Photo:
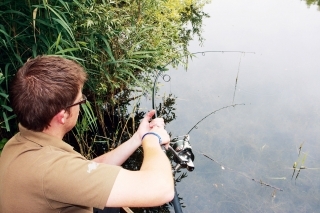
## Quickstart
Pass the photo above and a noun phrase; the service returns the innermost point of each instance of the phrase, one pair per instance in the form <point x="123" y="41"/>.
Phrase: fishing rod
<point x="203" y="54"/>
<point x="181" y="148"/>
<point x="196" y="125"/>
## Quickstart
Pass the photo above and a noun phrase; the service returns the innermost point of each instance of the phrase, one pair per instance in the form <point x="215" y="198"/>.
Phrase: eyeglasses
<point x="83" y="100"/>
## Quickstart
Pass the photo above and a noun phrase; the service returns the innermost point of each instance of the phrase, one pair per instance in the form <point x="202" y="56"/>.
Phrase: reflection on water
<point x="275" y="124"/>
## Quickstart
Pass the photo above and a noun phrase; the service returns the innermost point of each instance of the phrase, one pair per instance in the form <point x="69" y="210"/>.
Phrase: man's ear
<point x="61" y="116"/>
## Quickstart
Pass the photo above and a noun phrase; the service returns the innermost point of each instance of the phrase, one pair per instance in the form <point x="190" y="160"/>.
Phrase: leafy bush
<point x="121" y="44"/>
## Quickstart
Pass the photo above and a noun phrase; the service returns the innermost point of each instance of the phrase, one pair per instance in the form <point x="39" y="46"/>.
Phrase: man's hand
<point x="165" y="138"/>
<point x="156" y="125"/>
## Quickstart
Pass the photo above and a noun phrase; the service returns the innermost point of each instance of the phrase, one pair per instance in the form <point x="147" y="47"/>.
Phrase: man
<point x="41" y="173"/>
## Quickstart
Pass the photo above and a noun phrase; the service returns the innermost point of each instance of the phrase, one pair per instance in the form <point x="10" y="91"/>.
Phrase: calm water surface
<point x="279" y="86"/>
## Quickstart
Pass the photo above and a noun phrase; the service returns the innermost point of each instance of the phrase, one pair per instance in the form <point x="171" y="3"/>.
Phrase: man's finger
<point x="149" y="115"/>
<point x="156" y="124"/>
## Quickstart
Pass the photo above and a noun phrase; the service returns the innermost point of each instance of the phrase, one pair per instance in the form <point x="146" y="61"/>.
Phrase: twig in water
<point x="243" y="174"/>
<point x="300" y="147"/>
<point x="301" y="167"/>
<point x="266" y="184"/>
<point x="294" y="169"/>
<point x="235" y="86"/>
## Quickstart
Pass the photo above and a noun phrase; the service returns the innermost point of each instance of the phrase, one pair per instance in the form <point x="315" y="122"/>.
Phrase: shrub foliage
<point x="121" y="44"/>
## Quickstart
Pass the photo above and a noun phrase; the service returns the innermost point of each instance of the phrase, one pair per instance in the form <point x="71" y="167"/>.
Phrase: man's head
<point x="44" y="86"/>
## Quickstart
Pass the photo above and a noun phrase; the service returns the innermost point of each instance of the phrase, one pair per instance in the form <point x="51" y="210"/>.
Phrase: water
<point x="279" y="86"/>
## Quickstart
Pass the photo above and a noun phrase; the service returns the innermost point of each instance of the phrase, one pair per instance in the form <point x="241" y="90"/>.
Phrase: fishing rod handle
<point x="176" y="203"/>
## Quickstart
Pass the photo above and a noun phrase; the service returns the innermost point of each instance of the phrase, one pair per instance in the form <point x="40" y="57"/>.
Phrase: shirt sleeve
<point x="70" y="179"/>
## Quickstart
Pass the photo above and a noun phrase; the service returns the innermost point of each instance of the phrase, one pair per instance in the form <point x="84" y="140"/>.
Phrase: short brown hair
<point x="44" y="86"/>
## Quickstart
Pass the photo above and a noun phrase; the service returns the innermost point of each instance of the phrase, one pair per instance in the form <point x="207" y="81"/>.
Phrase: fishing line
<point x="203" y="54"/>
<point x="221" y="51"/>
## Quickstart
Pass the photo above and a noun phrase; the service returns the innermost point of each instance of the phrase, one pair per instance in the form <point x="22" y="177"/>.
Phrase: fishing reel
<point x="182" y="153"/>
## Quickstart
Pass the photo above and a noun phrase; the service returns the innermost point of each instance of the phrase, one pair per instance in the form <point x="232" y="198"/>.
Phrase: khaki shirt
<point x="43" y="174"/>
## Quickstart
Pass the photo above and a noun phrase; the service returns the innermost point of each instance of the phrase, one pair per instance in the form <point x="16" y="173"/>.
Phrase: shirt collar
<point x="43" y="139"/>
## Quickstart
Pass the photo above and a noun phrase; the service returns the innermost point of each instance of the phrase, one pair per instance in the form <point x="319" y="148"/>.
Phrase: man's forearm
<point x="120" y="154"/>
<point x="155" y="160"/>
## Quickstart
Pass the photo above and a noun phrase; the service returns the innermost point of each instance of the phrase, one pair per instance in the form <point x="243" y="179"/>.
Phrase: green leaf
<point x="7" y="108"/>
<point x="6" y="121"/>
<point x="67" y="50"/>
<point x="3" y="141"/>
